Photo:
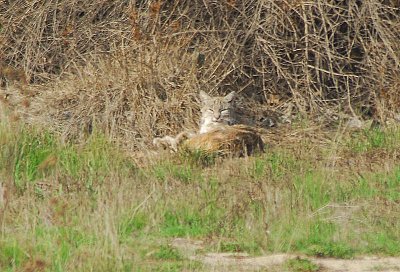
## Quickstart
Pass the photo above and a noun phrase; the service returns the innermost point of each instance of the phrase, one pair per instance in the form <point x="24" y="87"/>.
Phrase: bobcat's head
<point x="217" y="111"/>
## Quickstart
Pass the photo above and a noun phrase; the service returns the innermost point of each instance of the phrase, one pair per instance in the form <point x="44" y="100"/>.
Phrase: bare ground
<point x="276" y="262"/>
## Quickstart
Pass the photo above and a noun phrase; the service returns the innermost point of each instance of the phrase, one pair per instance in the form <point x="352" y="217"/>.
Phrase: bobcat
<point x="218" y="129"/>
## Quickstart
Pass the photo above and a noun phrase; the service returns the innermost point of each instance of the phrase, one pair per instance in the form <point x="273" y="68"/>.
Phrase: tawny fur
<point x="172" y="143"/>
<point x="218" y="132"/>
<point x="217" y="111"/>
<point x="236" y="140"/>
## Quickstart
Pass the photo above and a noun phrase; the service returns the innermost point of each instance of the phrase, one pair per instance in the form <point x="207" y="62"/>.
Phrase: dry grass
<point x="133" y="69"/>
<point x="89" y="207"/>
<point x="116" y="71"/>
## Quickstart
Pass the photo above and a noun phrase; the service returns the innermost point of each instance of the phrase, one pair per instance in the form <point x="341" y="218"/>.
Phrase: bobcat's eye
<point x="210" y="110"/>
<point x="224" y="111"/>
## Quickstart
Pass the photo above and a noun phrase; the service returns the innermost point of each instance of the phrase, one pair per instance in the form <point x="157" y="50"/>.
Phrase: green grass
<point x="197" y="157"/>
<point x="131" y="224"/>
<point x="100" y="211"/>
<point x="375" y="138"/>
<point x="32" y="155"/>
<point x="31" y="152"/>
<point x="301" y="265"/>
<point x="241" y="245"/>
<point x="385" y="242"/>
<point x="319" y="240"/>
<point x="11" y="254"/>
<point x="185" y="223"/>
<point x="167" y="253"/>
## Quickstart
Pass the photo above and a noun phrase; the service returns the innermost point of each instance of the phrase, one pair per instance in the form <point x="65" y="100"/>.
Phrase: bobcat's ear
<point x="204" y="96"/>
<point x="230" y="96"/>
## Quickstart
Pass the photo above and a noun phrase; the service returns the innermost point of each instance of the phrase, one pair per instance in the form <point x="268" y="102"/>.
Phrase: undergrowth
<point x="90" y="207"/>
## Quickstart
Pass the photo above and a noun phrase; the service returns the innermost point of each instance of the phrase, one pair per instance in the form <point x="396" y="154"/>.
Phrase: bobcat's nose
<point x="216" y="117"/>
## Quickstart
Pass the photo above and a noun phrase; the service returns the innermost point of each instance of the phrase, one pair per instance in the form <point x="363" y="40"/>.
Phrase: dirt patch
<point x="276" y="262"/>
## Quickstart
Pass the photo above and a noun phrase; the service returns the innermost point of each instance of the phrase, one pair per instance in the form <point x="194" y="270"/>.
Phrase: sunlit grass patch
<point x="131" y="224"/>
<point x="29" y="155"/>
<point x="185" y="223"/>
<point x="181" y="172"/>
<point x="301" y="265"/>
<point x="198" y="157"/>
<point x="375" y="138"/>
<point x="383" y="242"/>
<point x="373" y="185"/>
<point x="313" y="237"/>
<point x="55" y="246"/>
<point x="240" y="245"/>
<point x="313" y="190"/>
<point x="170" y="266"/>
<point x="12" y="255"/>
<point x="106" y="210"/>
<point x="166" y="252"/>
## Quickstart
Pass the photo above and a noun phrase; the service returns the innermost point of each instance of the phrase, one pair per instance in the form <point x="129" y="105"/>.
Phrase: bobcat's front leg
<point x="172" y="143"/>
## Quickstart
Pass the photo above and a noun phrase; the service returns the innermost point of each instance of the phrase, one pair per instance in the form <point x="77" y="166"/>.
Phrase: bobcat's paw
<point x="166" y="142"/>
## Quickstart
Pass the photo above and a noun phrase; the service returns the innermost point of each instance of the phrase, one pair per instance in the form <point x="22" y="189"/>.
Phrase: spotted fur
<point x="217" y="111"/>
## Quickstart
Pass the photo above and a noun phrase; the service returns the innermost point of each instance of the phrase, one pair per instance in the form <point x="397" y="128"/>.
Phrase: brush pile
<point x="133" y="68"/>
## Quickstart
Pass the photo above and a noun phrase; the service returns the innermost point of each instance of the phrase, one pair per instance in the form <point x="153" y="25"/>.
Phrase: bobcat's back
<point x="236" y="140"/>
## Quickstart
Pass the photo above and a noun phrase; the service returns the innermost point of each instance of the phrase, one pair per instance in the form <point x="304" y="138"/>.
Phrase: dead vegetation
<point x="133" y="69"/>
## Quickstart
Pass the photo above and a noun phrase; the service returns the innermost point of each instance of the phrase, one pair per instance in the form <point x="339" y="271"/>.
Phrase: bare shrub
<point x="316" y="55"/>
<point x="123" y="96"/>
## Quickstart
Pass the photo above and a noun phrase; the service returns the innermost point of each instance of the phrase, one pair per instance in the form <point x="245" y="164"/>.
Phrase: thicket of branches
<point x="318" y="54"/>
